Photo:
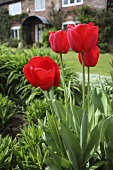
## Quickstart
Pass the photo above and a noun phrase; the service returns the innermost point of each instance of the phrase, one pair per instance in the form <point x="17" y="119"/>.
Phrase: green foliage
<point x="46" y="37"/>
<point x="71" y="147"/>
<point x="31" y="150"/>
<point x="86" y="14"/>
<point x="7" y="109"/>
<point x="56" y="16"/>
<point x="36" y="110"/>
<point x="6" y="153"/>
<point x="4" y="25"/>
<point x="13" y="43"/>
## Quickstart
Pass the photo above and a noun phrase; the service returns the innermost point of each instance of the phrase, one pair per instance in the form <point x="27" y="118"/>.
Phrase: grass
<point x="102" y="68"/>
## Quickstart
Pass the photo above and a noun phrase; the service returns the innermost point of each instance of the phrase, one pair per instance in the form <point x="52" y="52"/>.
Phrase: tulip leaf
<point x="53" y="125"/>
<point x="93" y="143"/>
<point x="104" y="126"/>
<point x="71" y="144"/>
<point x="98" y="164"/>
<point x="59" y="109"/>
<point x="74" y="117"/>
<point x="99" y="100"/>
<point x="61" y="161"/>
<point x="84" y="131"/>
<point x="52" y="164"/>
<point x="109" y="133"/>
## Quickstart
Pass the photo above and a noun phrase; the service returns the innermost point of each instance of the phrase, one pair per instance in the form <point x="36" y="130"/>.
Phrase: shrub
<point x="6" y="111"/>
<point x="7" y="160"/>
<point x="31" y="150"/>
<point x="46" y="37"/>
<point x="36" y="110"/>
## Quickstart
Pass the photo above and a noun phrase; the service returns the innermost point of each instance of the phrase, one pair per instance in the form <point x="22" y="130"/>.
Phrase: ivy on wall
<point x="5" y="23"/>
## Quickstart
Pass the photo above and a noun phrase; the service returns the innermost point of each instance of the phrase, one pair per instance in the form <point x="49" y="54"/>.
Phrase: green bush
<point x="7" y="160"/>
<point x="31" y="150"/>
<point x="13" y="43"/>
<point x="7" y="110"/>
<point x="36" y="110"/>
<point x="46" y="37"/>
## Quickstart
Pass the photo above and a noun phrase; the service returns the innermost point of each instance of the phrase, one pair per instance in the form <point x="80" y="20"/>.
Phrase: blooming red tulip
<point x="90" y="58"/>
<point x="83" y="37"/>
<point x="70" y="26"/>
<point x="58" y="41"/>
<point x="42" y="72"/>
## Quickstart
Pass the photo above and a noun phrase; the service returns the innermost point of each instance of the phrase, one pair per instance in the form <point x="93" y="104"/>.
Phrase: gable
<point x="7" y="1"/>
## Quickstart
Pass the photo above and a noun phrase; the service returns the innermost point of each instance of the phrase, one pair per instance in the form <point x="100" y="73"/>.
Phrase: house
<point x="38" y="15"/>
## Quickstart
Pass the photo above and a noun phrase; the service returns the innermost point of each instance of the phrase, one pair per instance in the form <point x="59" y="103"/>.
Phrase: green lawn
<point x="103" y="67"/>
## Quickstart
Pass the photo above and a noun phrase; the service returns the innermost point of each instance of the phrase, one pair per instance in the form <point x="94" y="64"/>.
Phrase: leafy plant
<point x="31" y="150"/>
<point x="7" y="146"/>
<point x="36" y="110"/>
<point x="74" y="140"/>
<point x="7" y="109"/>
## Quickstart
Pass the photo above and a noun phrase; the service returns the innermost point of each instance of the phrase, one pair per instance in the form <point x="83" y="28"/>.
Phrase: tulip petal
<point x="28" y="72"/>
<point x="74" y="40"/>
<point x="45" y="78"/>
<point x="90" y="39"/>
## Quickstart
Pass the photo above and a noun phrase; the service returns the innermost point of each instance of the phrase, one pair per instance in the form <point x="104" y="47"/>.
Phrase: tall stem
<point x="83" y="84"/>
<point x="88" y="87"/>
<point x="64" y="85"/>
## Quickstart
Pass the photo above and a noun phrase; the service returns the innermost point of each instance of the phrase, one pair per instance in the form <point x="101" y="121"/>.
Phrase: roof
<point x="7" y="1"/>
<point x="29" y="20"/>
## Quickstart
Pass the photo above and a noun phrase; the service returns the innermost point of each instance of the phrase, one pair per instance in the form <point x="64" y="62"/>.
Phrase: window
<point x="64" y="24"/>
<point x="15" y="8"/>
<point x="66" y="3"/>
<point x="39" y="5"/>
<point x="15" y="32"/>
<point x="38" y="32"/>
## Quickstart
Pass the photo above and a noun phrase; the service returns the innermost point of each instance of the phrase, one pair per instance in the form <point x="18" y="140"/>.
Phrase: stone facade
<point x="33" y="23"/>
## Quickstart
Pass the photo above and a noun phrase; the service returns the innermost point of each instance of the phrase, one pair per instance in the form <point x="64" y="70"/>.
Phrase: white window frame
<point x="71" y="4"/>
<point x="18" y="32"/>
<point x="38" y="7"/>
<point x="70" y="22"/>
<point x="15" y="8"/>
<point x="38" y="33"/>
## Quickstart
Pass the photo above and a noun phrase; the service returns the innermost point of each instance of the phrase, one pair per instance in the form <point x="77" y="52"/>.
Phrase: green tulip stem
<point x="46" y="94"/>
<point x="64" y="85"/>
<point x="88" y="87"/>
<point x="83" y="84"/>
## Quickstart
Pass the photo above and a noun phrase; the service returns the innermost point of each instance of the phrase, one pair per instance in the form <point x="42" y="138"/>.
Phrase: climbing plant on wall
<point x="4" y="25"/>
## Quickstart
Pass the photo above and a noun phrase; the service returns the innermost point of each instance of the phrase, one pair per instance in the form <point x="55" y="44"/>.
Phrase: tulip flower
<point x="82" y="37"/>
<point x="42" y="72"/>
<point x="58" y="42"/>
<point x="90" y="58"/>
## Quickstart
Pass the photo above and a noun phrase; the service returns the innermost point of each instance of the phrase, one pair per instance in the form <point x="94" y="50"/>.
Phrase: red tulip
<point x="58" y="41"/>
<point x="90" y="58"/>
<point x="70" y="26"/>
<point x="83" y="37"/>
<point x="42" y="72"/>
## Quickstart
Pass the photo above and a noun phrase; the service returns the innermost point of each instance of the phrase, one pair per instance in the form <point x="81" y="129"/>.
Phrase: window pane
<point x="71" y="1"/>
<point x="39" y="5"/>
<point x="15" y="8"/>
<point x="16" y="34"/>
<point x="65" y="1"/>
<point x="78" y="1"/>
